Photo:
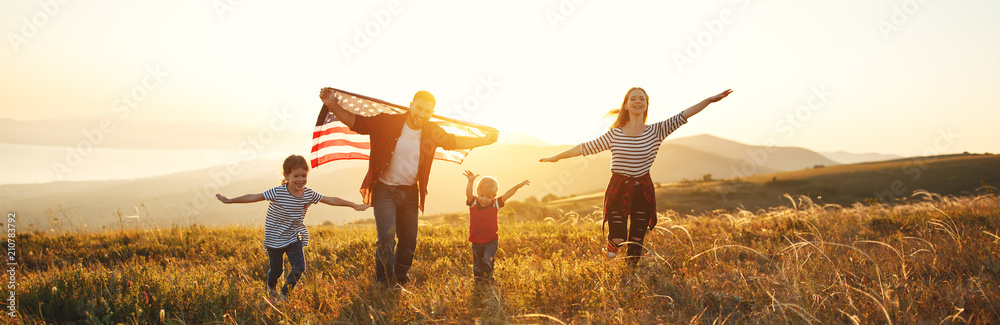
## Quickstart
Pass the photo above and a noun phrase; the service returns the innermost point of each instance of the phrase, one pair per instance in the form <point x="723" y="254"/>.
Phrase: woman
<point x="630" y="200"/>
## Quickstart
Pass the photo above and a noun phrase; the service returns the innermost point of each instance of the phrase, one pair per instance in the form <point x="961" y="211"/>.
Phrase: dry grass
<point x="929" y="262"/>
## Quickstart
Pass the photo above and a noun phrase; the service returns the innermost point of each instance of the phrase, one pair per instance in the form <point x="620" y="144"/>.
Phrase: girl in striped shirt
<point x="630" y="200"/>
<point x="284" y="232"/>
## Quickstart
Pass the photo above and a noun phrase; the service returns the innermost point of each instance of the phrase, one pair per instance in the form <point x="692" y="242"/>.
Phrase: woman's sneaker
<point x="611" y="249"/>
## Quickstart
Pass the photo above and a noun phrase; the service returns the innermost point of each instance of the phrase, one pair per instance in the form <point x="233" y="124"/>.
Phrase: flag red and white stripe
<point x="333" y="140"/>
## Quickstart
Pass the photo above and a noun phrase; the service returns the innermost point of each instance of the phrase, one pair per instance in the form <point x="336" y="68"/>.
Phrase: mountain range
<point x="188" y="197"/>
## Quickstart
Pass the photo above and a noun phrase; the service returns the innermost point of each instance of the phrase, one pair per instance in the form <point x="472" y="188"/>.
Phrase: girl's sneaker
<point x="272" y="293"/>
<point x="284" y="293"/>
<point x="611" y="249"/>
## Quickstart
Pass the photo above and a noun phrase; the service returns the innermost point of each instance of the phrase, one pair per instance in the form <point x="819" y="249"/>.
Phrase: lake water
<point x="23" y="164"/>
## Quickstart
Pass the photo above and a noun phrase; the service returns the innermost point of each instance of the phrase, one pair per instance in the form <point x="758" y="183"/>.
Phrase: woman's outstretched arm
<point x="572" y="152"/>
<point x="691" y="111"/>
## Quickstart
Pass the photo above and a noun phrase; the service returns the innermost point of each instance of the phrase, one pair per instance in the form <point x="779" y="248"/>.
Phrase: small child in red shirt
<point x="483" y="209"/>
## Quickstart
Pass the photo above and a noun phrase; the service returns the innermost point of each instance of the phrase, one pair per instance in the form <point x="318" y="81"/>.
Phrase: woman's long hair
<point x="622" y="112"/>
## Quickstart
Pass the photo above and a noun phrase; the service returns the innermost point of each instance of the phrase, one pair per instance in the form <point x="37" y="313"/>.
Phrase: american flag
<point x="333" y="140"/>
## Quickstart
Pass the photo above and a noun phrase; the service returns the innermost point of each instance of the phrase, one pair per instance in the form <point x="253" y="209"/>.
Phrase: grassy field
<point x="934" y="260"/>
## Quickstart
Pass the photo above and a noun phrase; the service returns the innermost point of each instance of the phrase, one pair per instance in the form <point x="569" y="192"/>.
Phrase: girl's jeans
<point x="295" y="257"/>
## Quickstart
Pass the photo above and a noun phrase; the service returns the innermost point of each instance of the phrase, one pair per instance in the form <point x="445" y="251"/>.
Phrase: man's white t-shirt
<point x="402" y="170"/>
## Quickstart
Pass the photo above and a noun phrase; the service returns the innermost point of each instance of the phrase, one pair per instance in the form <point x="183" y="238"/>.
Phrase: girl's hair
<point x="488" y="181"/>
<point x="291" y="163"/>
<point x="623" y="113"/>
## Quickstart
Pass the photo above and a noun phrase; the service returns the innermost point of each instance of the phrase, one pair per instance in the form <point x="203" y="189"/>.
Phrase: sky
<point x="896" y="77"/>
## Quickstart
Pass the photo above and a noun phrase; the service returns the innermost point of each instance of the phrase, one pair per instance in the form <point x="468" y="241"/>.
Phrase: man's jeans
<point x="396" y="214"/>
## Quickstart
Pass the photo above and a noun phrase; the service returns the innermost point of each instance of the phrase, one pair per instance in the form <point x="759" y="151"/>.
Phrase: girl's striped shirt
<point x="283" y="224"/>
<point x="633" y="155"/>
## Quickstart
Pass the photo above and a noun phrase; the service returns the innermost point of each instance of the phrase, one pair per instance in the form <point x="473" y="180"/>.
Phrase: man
<point x="402" y="150"/>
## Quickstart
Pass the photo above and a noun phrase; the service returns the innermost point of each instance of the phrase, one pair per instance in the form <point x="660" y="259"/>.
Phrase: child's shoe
<point x="611" y="249"/>
<point x="284" y="293"/>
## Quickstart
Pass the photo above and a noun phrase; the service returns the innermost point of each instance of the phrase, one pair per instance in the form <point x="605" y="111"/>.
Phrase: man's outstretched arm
<point x="470" y="142"/>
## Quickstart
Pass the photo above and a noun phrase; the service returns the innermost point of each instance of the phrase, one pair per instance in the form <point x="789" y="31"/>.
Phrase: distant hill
<point x="181" y="198"/>
<point x="774" y="158"/>
<point x="844" y="157"/>
<point x="881" y="182"/>
<point x="895" y="179"/>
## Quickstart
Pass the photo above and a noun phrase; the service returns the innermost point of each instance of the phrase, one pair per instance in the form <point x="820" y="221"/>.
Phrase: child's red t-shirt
<point x="483" y="221"/>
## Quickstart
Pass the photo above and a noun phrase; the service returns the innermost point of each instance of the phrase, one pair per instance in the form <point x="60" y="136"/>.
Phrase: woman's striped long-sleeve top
<point x="633" y="155"/>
